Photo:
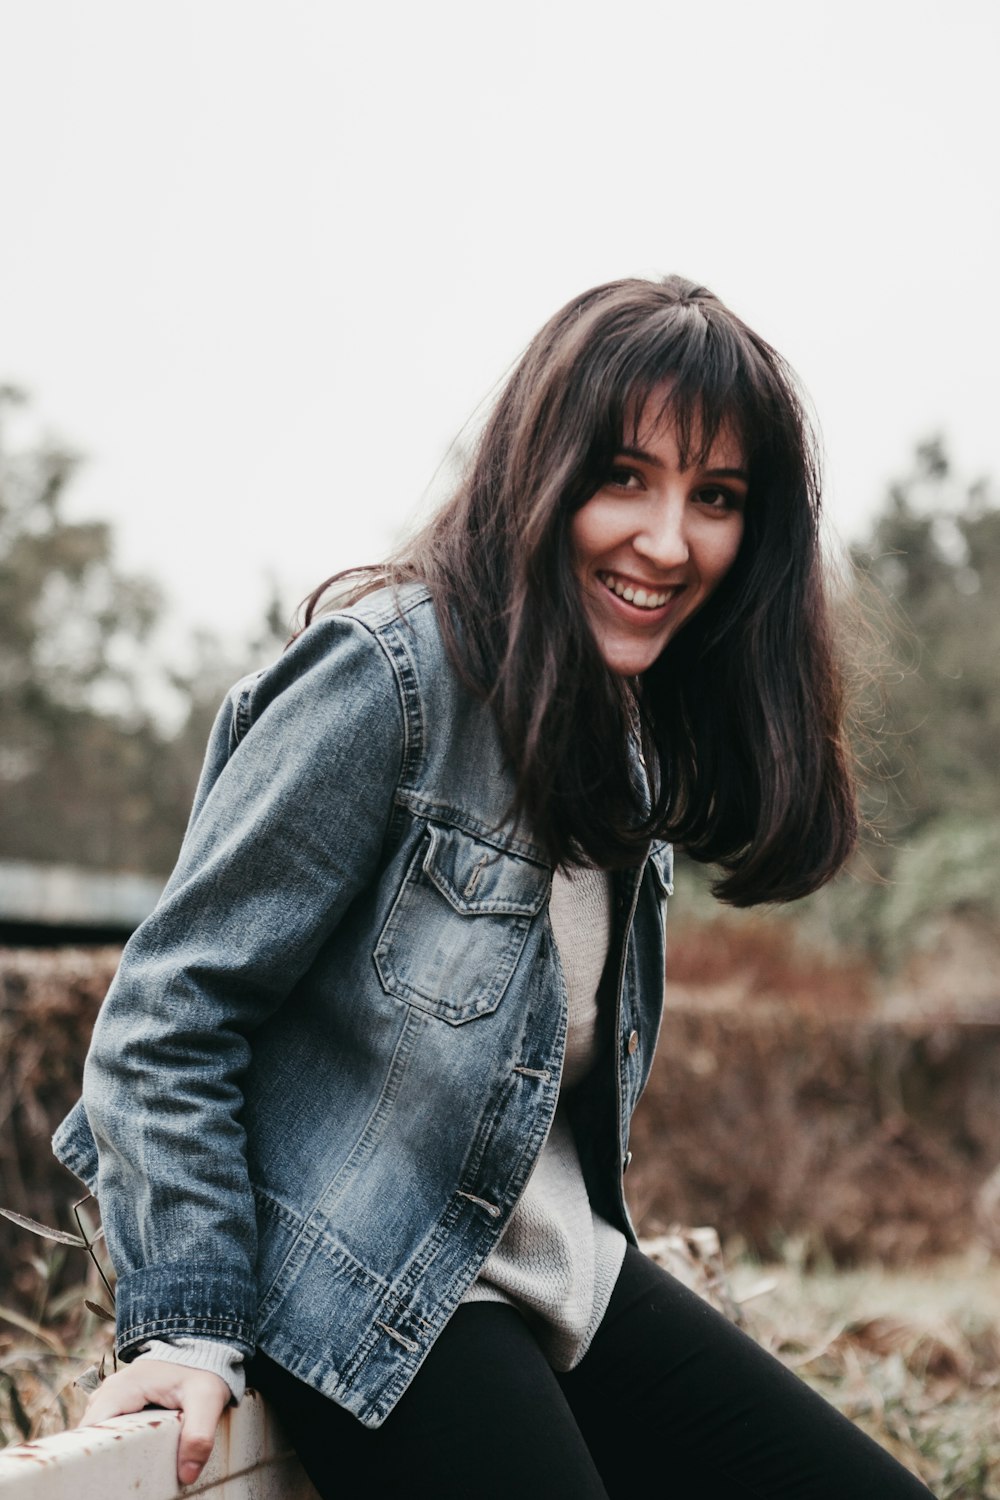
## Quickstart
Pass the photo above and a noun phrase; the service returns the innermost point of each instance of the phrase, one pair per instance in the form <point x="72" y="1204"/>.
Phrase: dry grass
<point x="913" y="1357"/>
<point x="43" y="1353"/>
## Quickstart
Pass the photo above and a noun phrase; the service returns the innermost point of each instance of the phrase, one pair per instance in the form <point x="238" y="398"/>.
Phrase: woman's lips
<point x="639" y="596"/>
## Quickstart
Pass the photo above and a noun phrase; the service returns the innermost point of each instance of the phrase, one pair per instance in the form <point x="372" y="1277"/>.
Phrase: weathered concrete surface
<point x="136" y="1456"/>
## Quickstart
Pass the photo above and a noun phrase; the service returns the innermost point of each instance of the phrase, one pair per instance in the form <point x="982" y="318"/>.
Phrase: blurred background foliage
<point x="921" y="624"/>
<point x="102" y="740"/>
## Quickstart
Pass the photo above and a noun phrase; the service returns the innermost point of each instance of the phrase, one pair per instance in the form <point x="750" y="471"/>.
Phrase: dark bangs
<point x="706" y="373"/>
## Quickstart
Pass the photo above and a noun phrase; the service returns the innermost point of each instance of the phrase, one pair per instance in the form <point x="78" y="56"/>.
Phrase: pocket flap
<point x="475" y="878"/>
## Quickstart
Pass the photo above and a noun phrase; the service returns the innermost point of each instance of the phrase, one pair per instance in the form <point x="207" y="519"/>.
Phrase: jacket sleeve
<point x="288" y="826"/>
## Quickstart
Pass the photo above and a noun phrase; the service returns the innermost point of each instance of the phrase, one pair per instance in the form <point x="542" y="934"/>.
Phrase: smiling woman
<point x="656" y="539"/>
<point x="357" y="1106"/>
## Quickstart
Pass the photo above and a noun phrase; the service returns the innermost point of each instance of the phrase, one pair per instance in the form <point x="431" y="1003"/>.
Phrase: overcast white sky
<point x="261" y="260"/>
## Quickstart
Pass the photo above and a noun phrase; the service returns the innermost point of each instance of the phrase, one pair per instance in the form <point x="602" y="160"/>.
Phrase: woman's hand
<point x="198" y="1395"/>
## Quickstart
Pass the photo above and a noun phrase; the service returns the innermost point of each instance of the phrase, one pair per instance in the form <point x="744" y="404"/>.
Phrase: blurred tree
<point x="934" y="557"/>
<point x="204" y="682"/>
<point x="88" y="774"/>
<point x="76" y="738"/>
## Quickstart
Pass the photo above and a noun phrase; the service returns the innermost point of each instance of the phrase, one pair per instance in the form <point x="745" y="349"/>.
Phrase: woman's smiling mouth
<point x="636" y="594"/>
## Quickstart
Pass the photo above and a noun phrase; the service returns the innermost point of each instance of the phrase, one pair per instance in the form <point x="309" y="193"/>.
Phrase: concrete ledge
<point x="137" y="1456"/>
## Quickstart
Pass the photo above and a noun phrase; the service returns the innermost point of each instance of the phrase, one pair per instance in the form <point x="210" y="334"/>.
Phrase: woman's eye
<point x="717" y="498"/>
<point x="624" y="479"/>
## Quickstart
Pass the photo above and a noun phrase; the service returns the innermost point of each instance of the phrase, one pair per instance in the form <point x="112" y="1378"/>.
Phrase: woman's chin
<point x="630" y="658"/>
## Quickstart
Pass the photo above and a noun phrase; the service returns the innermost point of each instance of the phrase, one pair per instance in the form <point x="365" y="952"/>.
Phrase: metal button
<point x="633" y="1043"/>
<point x="627" y="1162"/>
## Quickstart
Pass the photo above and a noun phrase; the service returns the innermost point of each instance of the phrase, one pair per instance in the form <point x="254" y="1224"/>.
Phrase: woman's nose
<point x="662" y="539"/>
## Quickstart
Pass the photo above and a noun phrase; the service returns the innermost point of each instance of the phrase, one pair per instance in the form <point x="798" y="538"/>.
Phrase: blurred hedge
<point x="862" y="1136"/>
<point x="48" y="1001"/>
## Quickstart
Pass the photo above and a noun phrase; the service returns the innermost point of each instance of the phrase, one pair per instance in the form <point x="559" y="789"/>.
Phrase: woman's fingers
<point x="122" y="1392"/>
<point x="198" y="1395"/>
<point x="198" y="1424"/>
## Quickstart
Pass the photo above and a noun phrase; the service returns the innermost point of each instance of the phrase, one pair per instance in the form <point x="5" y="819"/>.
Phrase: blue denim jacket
<point x="331" y="1055"/>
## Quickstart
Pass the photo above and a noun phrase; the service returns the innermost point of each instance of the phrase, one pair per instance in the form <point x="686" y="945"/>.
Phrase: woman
<point x="357" y="1104"/>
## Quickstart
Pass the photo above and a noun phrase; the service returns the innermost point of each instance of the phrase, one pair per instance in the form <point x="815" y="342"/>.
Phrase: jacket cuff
<point x="186" y="1299"/>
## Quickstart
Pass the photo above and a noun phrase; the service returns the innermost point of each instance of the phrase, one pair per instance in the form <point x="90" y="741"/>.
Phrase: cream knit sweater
<point x="558" y="1261"/>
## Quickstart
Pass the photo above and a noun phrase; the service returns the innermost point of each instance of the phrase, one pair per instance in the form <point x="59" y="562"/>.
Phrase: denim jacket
<point x="331" y="1055"/>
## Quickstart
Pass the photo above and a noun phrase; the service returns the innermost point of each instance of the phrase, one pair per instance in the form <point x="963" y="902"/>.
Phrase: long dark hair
<point x="740" y="720"/>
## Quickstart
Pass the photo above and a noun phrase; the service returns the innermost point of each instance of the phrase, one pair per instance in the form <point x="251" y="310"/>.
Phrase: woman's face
<point x="655" y="540"/>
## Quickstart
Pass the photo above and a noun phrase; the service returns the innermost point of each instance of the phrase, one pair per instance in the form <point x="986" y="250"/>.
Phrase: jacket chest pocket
<point x="458" y="925"/>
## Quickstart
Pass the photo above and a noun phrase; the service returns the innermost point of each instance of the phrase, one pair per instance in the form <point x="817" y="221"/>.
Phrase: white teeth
<point x="641" y="598"/>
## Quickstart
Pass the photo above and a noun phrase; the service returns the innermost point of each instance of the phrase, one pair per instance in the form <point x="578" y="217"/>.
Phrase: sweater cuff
<point x="224" y="1360"/>
<point x="186" y="1299"/>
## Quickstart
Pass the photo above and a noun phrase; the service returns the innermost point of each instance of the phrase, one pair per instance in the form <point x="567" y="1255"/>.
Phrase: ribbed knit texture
<point x="558" y="1261"/>
<point x="201" y="1354"/>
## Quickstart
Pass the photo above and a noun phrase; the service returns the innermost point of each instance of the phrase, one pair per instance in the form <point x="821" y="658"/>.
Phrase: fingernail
<point x="189" y="1472"/>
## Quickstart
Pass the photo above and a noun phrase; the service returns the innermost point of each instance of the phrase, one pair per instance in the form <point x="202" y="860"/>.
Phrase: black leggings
<point x="671" y="1400"/>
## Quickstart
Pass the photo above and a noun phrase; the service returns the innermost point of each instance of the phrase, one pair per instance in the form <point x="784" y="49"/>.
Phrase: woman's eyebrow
<point x="650" y="458"/>
<point x="728" y="474"/>
<point x="641" y="455"/>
